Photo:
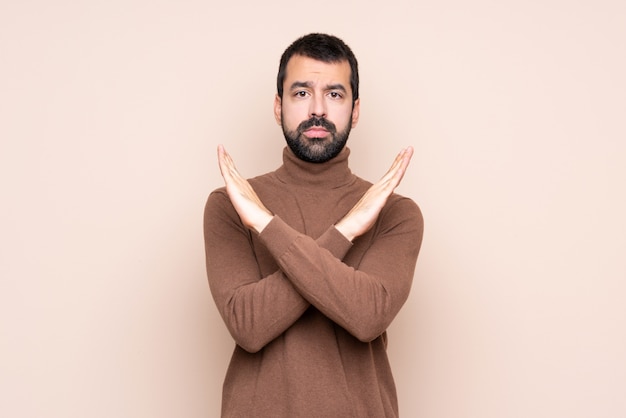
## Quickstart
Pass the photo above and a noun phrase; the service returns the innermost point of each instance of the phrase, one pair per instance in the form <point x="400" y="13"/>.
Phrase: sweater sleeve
<point x="255" y="309"/>
<point x="362" y="300"/>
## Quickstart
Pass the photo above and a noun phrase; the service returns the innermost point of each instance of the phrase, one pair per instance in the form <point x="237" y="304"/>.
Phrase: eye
<point x="301" y="93"/>
<point x="335" y="95"/>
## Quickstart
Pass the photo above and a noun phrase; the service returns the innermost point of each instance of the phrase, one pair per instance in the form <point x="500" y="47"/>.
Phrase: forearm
<point x="258" y="312"/>
<point x="255" y="309"/>
<point x="255" y="305"/>
<point x="363" y="300"/>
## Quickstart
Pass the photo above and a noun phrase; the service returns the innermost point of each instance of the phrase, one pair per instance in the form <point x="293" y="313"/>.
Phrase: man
<point x="309" y="264"/>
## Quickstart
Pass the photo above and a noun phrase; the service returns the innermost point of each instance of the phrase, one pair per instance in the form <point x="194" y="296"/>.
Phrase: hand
<point x="363" y="215"/>
<point x="251" y="210"/>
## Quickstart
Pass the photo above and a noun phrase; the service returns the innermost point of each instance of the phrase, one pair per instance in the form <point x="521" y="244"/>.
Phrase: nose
<point x="317" y="106"/>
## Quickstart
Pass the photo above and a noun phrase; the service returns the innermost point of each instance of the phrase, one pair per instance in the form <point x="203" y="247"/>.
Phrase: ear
<point x="278" y="109"/>
<point x="356" y="111"/>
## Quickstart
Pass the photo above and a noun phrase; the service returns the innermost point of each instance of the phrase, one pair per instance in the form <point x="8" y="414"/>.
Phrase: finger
<point x="227" y="169"/>
<point x="405" y="156"/>
<point x="221" y="159"/>
<point x="390" y="172"/>
<point x="227" y="165"/>
<point x="395" y="166"/>
<point x="406" y="160"/>
<point x="395" y="174"/>
<point x="400" y="158"/>
<point x="397" y="160"/>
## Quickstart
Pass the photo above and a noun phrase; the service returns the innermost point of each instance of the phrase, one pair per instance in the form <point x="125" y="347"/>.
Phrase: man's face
<point x="316" y="111"/>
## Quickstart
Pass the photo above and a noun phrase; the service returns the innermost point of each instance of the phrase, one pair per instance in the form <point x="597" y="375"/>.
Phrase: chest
<point x="310" y="212"/>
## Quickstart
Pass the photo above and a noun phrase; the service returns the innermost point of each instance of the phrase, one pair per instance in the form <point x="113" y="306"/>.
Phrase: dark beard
<point x="317" y="150"/>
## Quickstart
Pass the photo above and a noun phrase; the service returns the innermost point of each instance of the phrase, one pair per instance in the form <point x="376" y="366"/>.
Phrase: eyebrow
<point x="308" y="84"/>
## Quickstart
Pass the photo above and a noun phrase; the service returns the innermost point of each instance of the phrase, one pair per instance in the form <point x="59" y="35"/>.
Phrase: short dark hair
<point x="321" y="47"/>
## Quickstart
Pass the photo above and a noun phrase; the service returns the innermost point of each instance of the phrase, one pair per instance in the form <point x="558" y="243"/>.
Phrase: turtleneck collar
<point x="331" y="174"/>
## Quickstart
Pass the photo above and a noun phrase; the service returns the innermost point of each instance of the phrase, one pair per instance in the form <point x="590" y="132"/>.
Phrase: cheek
<point x="342" y="117"/>
<point x="292" y="116"/>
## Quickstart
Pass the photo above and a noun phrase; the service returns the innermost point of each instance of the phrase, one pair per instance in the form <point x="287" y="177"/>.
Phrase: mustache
<point x="315" y="121"/>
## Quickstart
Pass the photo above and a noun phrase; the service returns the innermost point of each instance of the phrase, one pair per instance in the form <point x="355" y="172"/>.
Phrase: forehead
<point x="305" y="69"/>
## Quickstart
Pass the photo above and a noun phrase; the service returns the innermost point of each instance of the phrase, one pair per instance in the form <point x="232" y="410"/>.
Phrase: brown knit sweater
<point x="307" y="308"/>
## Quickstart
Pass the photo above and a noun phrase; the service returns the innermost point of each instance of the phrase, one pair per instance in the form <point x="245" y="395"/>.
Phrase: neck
<point x="331" y="174"/>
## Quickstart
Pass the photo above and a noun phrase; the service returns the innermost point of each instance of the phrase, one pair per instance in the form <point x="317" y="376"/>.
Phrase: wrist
<point x="344" y="230"/>
<point x="262" y="222"/>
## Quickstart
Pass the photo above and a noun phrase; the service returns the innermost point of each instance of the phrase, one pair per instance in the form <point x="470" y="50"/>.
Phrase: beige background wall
<point x="110" y="113"/>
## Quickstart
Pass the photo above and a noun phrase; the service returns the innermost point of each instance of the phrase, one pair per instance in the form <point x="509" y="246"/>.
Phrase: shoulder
<point x="403" y="210"/>
<point x="267" y="181"/>
<point x="220" y="194"/>
<point x="399" y="202"/>
<point x="397" y="208"/>
<point x="218" y="201"/>
<point x="218" y="207"/>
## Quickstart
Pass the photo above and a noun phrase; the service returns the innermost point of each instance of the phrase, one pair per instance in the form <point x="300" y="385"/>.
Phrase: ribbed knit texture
<point x="307" y="308"/>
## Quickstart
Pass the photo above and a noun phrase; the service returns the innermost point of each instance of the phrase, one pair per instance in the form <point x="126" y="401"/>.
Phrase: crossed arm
<point x="359" y="220"/>
<point x="310" y="271"/>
